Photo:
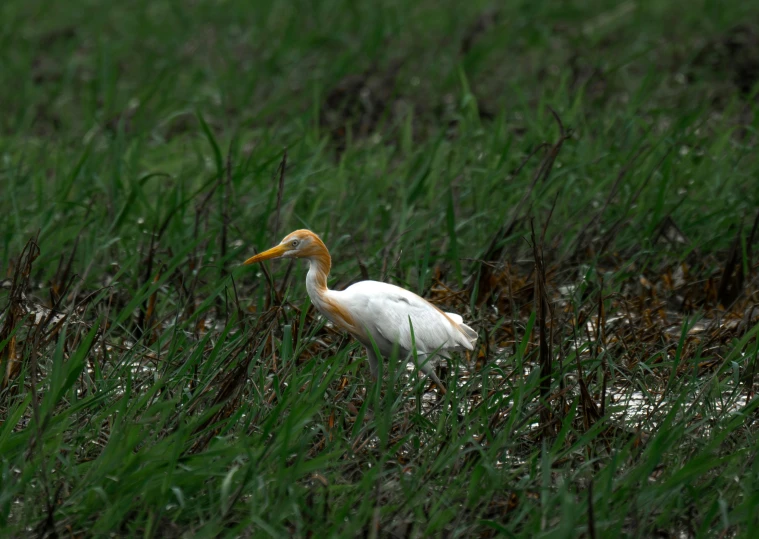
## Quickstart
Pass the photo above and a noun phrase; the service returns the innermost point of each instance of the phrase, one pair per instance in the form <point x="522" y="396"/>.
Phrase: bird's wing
<point x="385" y="310"/>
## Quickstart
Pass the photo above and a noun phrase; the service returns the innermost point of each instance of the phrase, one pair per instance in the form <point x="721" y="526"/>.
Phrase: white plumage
<point x="371" y="310"/>
<point x="389" y="312"/>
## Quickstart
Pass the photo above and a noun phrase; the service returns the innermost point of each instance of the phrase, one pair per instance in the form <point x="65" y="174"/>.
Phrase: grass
<point x="152" y="386"/>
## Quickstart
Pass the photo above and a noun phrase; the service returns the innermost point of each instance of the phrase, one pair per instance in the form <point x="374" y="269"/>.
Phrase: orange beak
<point x="274" y="252"/>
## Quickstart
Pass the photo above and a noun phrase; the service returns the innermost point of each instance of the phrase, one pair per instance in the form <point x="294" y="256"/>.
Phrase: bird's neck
<point x="319" y="265"/>
<point x="327" y="301"/>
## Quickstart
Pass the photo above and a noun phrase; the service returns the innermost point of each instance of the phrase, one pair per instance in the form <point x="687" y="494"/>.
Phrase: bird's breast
<point x="339" y="315"/>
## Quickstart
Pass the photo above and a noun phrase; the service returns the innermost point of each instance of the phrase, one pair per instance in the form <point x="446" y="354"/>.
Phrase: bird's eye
<point x="294" y="243"/>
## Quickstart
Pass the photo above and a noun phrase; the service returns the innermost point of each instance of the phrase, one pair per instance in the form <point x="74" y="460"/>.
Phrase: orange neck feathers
<point x="320" y="263"/>
<point x="324" y="299"/>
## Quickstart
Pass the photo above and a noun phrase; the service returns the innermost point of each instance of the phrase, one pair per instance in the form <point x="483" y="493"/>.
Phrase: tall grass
<point x="152" y="386"/>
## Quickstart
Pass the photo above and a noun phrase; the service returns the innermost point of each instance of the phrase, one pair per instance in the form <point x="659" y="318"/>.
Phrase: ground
<point x="577" y="179"/>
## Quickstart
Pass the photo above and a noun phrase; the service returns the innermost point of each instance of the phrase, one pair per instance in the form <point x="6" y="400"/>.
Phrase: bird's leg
<point x="426" y="366"/>
<point x="373" y="364"/>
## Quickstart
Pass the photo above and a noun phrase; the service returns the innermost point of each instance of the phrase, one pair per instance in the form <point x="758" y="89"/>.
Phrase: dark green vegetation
<point x="171" y="391"/>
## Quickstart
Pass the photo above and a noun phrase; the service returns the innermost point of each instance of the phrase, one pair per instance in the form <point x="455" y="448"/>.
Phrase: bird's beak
<point x="274" y="252"/>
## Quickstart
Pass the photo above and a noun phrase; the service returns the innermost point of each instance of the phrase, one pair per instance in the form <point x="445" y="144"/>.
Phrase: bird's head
<point x="298" y="244"/>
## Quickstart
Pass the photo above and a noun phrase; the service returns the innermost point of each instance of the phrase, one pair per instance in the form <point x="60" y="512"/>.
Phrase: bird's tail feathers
<point x="469" y="333"/>
<point x="455" y="317"/>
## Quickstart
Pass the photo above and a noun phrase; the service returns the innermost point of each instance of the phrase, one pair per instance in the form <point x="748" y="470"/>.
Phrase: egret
<point x="371" y="310"/>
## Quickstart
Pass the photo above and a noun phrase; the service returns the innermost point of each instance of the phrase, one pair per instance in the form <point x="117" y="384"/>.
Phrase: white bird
<point x="374" y="310"/>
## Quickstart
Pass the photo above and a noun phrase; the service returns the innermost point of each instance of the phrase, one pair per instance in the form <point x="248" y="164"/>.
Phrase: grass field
<point x="579" y="179"/>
